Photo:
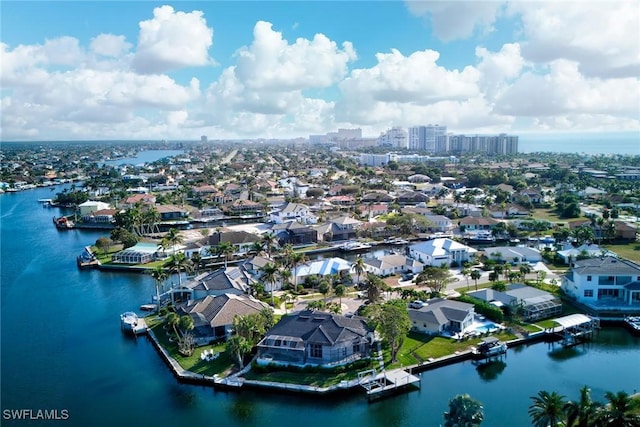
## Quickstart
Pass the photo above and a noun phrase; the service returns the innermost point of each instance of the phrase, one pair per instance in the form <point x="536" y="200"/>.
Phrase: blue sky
<point x="279" y="69"/>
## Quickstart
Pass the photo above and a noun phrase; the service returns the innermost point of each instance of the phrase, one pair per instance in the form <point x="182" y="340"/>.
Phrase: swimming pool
<point x="487" y="327"/>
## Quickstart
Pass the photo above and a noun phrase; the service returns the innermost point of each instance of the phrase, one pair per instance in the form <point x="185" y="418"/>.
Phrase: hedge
<point x="482" y="307"/>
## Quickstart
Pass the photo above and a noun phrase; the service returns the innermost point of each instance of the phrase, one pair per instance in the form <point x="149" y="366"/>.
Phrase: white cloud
<point x="395" y="80"/>
<point x="274" y="64"/>
<point x="455" y="19"/>
<point x="603" y="36"/>
<point x="564" y="91"/>
<point x="264" y="90"/>
<point x="110" y="45"/>
<point x="496" y="69"/>
<point x="172" y="40"/>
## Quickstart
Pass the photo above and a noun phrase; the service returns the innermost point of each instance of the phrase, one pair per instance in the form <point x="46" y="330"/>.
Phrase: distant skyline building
<point x="395" y="137"/>
<point x="203" y="138"/>
<point x="424" y="137"/>
<point x="490" y="144"/>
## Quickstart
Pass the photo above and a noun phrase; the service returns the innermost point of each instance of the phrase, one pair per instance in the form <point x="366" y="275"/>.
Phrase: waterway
<point x="146" y="156"/>
<point x="61" y="348"/>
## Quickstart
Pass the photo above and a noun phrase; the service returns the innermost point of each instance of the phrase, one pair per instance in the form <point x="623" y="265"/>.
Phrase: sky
<point x="84" y="70"/>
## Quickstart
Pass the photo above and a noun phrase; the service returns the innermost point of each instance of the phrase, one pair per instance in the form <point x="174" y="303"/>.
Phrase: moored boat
<point x="490" y="346"/>
<point x="633" y="324"/>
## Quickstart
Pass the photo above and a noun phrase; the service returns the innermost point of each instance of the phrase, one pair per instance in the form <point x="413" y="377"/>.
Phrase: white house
<point x="569" y="253"/>
<point x="442" y="315"/>
<point x="604" y="282"/>
<point x="441" y="251"/>
<point x="513" y="254"/>
<point x="391" y="264"/>
<point x="323" y="267"/>
<point x="92" y="206"/>
<point x="293" y="212"/>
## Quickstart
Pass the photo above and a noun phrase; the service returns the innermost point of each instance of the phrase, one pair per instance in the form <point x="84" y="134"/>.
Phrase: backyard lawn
<point x="193" y="363"/>
<point x="629" y="251"/>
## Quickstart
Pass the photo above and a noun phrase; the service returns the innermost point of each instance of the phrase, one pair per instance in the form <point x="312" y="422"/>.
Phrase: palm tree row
<point x="551" y="409"/>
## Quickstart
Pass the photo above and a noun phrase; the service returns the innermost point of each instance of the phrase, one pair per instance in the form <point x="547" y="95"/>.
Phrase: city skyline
<point x="248" y="70"/>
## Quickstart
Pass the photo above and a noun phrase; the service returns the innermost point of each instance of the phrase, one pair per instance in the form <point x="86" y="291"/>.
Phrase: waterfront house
<point x="438" y="316"/>
<point x="473" y="223"/>
<point x="535" y="304"/>
<point x="337" y="229"/>
<point x="441" y="251"/>
<point x="242" y="241"/>
<point x="293" y="212"/>
<point x="229" y="280"/>
<point x="213" y="315"/>
<point x="316" y="338"/>
<point x="92" y="206"/>
<point x="513" y="254"/>
<point x="570" y="253"/>
<point x="604" y="283"/>
<point x="102" y="216"/>
<point x="295" y="233"/>
<point x="391" y="264"/>
<point x="171" y="212"/>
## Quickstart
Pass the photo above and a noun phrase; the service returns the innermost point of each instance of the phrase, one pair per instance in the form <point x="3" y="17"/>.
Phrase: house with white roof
<point x="92" y="206"/>
<point x="605" y="283"/>
<point x="441" y="251"/>
<point x="514" y="254"/>
<point x="392" y="264"/>
<point x="322" y="267"/>
<point x="570" y="253"/>
<point x="293" y="212"/>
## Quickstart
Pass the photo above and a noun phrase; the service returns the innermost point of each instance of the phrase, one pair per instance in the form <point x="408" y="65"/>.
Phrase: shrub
<point x="484" y="308"/>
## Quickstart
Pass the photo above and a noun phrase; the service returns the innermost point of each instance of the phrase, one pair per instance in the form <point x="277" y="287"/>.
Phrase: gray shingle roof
<point x="606" y="265"/>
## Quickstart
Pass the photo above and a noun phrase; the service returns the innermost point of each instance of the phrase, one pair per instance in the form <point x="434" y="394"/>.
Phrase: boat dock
<point x="574" y="328"/>
<point x="132" y="324"/>
<point x="378" y="385"/>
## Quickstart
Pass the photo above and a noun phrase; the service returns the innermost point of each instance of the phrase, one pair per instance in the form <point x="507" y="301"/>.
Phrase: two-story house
<point x="604" y="283"/>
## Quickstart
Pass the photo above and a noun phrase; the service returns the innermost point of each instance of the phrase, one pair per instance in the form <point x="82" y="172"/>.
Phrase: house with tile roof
<point x="213" y="315"/>
<point x="316" y="338"/>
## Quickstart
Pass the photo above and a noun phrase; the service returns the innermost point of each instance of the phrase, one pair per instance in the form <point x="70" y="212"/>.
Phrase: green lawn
<point x="547" y="214"/>
<point x="191" y="363"/>
<point x="310" y="378"/>
<point x="629" y="251"/>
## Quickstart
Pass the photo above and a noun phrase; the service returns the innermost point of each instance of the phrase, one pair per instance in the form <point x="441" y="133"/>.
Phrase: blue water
<point x="486" y="327"/>
<point x="585" y="143"/>
<point x="147" y="156"/>
<point x="62" y="348"/>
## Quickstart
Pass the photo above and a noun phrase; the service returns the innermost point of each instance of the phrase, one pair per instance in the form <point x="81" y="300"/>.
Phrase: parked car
<point x="416" y="304"/>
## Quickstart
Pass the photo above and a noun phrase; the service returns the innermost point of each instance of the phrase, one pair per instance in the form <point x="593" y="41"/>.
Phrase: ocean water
<point x="627" y="143"/>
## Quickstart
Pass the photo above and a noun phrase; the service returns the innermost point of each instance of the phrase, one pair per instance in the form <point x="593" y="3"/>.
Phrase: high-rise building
<point x="395" y="137"/>
<point x="489" y="144"/>
<point x="425" y="137"/>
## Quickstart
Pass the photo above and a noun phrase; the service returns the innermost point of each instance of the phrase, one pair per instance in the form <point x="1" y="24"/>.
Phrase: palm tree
<point x="159" y="276"/>
<point x="325" y="288"/>
<point x="176" y="264"/>
<point x="226" y="249"/>
<point x="358" y="267"/>
<point x="524" y="270"/>
<point x="196" y="258"/>
<point x="297" y="258"/>
<point x="466" y="273"/>
<point x="339" y="291"/>
<point x="268" y="242"/>
<point x="269" y="275"/>
<point x="547" y="409"/>
<point x="374" y="286"/>
<point x="173" y="319"/>
<point x="172" y="239"/>
<point x="618" y="411"/>
<point x="583" y="412"/>
<point x="475" y="275"/>
<point x="464" y="411"/>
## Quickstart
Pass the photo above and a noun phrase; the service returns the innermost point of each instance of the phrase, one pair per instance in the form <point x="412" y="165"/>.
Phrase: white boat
<point x="490" y="346"/>
<point x="633" y="324"/>
<point x="131" y="323"/>
<point x="354" y="246"/>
